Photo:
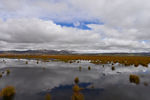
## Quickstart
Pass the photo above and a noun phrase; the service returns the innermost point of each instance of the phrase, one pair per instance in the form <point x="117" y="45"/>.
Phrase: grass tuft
<point x="76" y="80"/>
<point x="8" y="71"/>
<point x="1" y="75"/>
<point x="112" y="68"/>
<point x="8" y="93"/>
<point x="26" y="62"/>
<point x="89" y="68"/>
<point x="134" y="79"/>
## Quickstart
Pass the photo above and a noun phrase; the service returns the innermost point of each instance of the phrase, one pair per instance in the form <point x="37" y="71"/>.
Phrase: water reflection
<point x="77" y="95"/>
<point x="48" y="96"/>
<point x="33" y="81"/>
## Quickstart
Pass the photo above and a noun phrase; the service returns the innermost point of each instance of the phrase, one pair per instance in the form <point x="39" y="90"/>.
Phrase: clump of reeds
<point x="134" y="79"/>
<point x="103" y="65"/>
<point x="37" y="62"/>
<point x="112" y="68"/>
<point x="8" y="93"/>
<point x="76" y="80"/>
<point x="70" y="61"/>
<point x="89" y="67"/>
<point x="26" y="62"/>
<point x="136" y="64"/>
<point x="7" y="71"/>
<point x="47" y="96"/>
<point x="78" y="61"/>
<point x="1" y="75"/>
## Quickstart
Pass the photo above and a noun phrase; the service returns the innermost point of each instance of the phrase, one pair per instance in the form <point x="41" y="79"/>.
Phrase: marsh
<point x="33" y="81"/>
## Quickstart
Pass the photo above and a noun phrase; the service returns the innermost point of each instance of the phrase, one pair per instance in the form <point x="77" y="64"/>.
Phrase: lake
<point x="34" y="80"/>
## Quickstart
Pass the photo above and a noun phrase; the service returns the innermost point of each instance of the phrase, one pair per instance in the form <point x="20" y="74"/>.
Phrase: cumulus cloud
<point x="39" y="32"/>
<point x="30" y="24"/>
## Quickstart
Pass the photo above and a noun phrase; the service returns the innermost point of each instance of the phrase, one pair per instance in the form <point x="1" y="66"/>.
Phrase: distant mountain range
<point x="71" y="52"/>
<point x="37" y="52"/>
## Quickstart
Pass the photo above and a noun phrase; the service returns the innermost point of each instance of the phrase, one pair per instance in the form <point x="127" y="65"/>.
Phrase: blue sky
<point x="80" y="25"/>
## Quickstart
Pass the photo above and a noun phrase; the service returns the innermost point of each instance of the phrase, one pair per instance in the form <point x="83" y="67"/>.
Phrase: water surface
<point x="33" y="81"/>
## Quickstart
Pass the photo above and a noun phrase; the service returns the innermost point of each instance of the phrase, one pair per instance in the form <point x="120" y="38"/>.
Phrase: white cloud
<point x="39" y="32"/>
<point x="125" y="28"/>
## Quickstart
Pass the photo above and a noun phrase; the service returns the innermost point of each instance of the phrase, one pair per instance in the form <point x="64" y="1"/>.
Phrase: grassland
<point x="96" y="59"/>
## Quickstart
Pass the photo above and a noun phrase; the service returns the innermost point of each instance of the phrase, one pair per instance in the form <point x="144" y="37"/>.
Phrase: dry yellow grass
<point x="76" y="80"/>
<point x="112" y="68"/>
<point x="134" y="79"/>
<point x="1" y="75"/>
<point x="7" y="93"/>
<point x="96" y="59"/>
<point x="89" y="67"/>
<point x="8" y="71"/>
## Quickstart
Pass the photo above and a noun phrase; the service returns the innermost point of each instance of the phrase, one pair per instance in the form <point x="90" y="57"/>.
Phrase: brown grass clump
<point x="37" y="62"/>
<point x="89" y="68"/>
<point x="134" y="79"/>
<point x="26" y="62"/>
<point x="8" y="71"/>
<point x="47" y="96"/>
<point x="78" y="61"/>
<point x="1" y="75"/>
<point x="8" y="93"/>
<point x="76" y="80"/>
<point x="112" y="68"/>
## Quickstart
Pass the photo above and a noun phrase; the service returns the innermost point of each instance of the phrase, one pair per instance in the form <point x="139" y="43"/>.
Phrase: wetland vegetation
<point x="74" y="77"/>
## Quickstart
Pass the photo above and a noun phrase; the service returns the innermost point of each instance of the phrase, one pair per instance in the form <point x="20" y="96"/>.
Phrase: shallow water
<point x="33" y="81"/>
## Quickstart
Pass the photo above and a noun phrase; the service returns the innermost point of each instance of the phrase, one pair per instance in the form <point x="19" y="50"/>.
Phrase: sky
<point x="77" y="25"/>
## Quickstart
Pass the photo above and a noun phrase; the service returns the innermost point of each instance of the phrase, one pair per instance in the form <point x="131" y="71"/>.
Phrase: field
<point x="74" y="77"/>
